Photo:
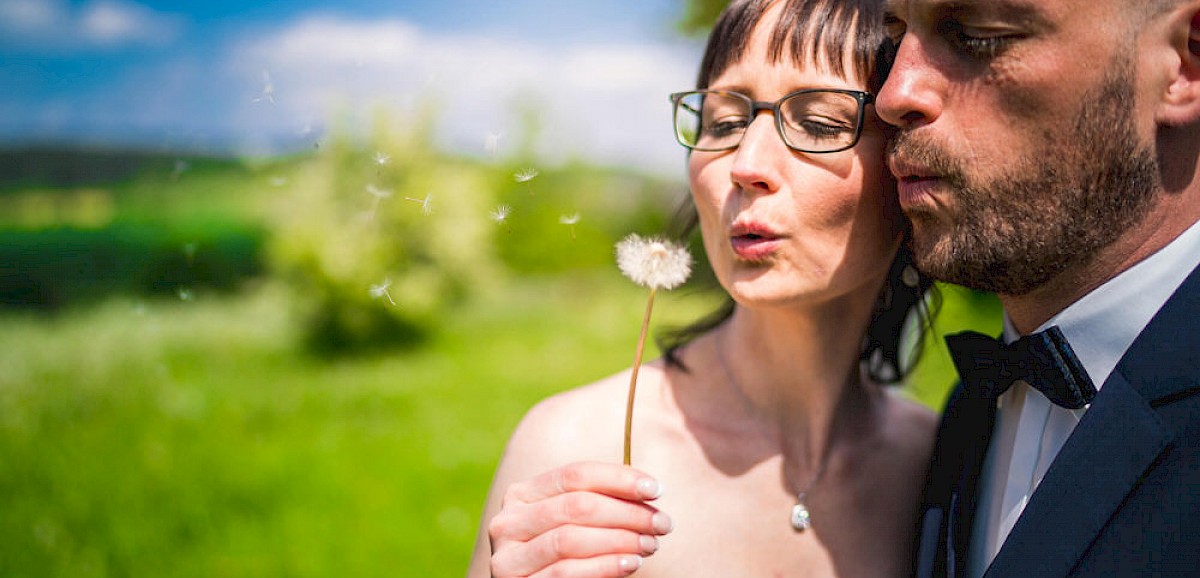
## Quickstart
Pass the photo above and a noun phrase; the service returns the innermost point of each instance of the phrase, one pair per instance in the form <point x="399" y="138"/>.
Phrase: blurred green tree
<point x="380" y="240"/>
<point x="699" y="15"/>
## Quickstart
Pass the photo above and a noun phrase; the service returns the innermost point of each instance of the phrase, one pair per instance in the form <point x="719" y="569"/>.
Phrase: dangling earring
<point x="910" y="277"/>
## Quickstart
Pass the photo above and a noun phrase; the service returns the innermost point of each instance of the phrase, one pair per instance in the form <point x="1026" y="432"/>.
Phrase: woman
<point x="779" y="454"/>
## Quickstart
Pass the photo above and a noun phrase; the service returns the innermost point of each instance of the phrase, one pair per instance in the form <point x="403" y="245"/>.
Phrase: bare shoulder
<point x="580" y="424"/>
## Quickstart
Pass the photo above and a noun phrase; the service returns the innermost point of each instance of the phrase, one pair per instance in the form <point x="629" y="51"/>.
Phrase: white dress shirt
<point x="1030" y="429"/>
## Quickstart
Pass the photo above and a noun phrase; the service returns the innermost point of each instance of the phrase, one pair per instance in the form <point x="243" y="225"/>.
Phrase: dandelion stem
<point x="637" y="362"/>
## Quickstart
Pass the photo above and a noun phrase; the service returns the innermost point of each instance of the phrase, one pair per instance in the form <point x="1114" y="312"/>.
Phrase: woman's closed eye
<point x="725" y="127"/>
<point x="822" y="127"/>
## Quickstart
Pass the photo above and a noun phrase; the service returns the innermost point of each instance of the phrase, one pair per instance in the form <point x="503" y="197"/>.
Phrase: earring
<point x="910" y="277"/>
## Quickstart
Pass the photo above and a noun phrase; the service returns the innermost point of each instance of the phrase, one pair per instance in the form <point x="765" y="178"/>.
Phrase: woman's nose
<point x="757" y="157"/>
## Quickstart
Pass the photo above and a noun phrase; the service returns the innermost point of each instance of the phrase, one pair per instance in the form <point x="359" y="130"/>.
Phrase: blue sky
<point x="261" y="77"/>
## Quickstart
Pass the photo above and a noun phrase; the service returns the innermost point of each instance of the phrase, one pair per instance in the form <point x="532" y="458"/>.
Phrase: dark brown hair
<point x="811" y="32"/>
<point x="817" y="32"/>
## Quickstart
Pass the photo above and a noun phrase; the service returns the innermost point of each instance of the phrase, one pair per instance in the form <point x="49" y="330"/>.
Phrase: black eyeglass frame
<point x="863" y="99"/>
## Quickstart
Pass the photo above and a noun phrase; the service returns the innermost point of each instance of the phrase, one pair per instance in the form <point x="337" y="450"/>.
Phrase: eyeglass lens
<point x="815" y="121"/>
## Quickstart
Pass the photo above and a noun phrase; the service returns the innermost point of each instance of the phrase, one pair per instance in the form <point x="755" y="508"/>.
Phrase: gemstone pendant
<point x="801" y="519"/>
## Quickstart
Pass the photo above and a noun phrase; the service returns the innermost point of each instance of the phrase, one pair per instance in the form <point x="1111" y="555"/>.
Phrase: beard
<point x="1053" y="208"/>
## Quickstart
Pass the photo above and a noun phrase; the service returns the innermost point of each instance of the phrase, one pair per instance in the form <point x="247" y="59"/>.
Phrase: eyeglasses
<point x="820" y="120"/>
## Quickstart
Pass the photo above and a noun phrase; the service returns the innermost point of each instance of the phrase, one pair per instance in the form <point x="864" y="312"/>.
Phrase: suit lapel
<point x="1114" y="444"/>
<point x="1080" y="492"/>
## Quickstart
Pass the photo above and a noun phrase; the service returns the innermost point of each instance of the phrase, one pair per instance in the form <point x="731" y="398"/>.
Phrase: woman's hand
<point x="583" y="520"/>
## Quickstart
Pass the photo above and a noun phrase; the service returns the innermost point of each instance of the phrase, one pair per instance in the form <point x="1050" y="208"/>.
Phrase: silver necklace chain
<point x="801" y="517"/>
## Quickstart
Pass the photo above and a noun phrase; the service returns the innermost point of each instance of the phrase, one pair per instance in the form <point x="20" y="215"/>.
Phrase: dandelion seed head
<point x="501" y="213"/>
<point x="526" y="175"/>
<point x="569" y="219"/>
<point x="653" y="263"/>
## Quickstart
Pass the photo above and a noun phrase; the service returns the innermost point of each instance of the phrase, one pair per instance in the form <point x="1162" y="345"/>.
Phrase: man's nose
<point x="912" y="94"/>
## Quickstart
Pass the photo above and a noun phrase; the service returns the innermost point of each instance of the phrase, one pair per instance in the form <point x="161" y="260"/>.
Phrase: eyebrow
<point x="1030" y="10"/>
<point x="1027" y="12"/>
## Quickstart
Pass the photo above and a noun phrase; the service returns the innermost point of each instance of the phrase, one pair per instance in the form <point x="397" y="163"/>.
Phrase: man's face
<point x="1022" y="150"/>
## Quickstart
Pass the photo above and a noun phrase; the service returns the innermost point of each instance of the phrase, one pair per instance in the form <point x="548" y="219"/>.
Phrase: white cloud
<point x="605" y="102"/>
<point x="32" y="15"/>
<point x="108" y="22"/>
<point x="55" y="26"/>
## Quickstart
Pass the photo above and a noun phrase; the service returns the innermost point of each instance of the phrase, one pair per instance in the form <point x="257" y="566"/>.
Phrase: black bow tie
<point x="1044" y="360"/>
<point x="988" y="368"/>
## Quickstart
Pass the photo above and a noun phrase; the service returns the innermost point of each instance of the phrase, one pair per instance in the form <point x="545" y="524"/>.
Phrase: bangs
<point x="821" y="33"/>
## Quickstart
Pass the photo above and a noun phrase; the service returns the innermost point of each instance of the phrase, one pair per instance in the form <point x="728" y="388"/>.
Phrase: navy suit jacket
<point x="1123" y="496"/>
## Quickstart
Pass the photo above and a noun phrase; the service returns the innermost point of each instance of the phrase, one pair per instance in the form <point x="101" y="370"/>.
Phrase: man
<point x="1049" y="150"/>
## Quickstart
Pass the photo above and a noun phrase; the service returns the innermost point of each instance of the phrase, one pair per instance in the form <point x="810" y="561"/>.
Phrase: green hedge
<point x="62" y="266"/>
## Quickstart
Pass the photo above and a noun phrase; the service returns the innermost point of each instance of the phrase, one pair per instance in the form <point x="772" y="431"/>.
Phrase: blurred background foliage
<point x="699" y="16"/>
<point x="307" y="365"/>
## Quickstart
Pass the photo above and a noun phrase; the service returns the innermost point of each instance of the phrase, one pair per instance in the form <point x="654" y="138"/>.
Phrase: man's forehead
<point x="1043" y="12"/>
<point x="899" y="7"/>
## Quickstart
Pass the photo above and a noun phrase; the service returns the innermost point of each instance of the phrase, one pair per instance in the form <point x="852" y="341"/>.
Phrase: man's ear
<point x="1180" y="103"/>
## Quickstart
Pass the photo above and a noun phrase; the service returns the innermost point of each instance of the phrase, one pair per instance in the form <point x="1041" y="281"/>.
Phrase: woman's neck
<point x="797" y="374"/>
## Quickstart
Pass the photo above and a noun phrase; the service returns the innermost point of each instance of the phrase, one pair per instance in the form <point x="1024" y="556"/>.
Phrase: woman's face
<point x="782" y="227"/>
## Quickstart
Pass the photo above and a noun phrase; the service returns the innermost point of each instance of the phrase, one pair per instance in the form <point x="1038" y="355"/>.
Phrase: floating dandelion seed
<point x="491" y="143"/>
<point x="377" y="192"/>
<point x="525" y="175"/>
<point x="500" y="215"/>
<point x="277" y="181"/>
<point x="185" y="294"/>
<point x="426" y="204"/>
<point x="181" y="166"/>
<point x="381" y="291"/>
<point x="654" y="264"/>
<point x="570" y="220"/>
<point x="382" y="158"/>
<point x="268" y="88"/>
<point x="378" y="195"/>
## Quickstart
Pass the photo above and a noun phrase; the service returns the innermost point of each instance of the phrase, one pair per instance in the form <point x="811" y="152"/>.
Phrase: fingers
<point x="599" y="567"/>
<point x="575" y="551"/>
<point x="587" y="519"/>
<point x="609" y="479"/>
<point x="523" y="521"/>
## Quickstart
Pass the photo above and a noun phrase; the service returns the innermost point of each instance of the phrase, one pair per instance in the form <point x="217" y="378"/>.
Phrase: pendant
<point x="801" y="519"/>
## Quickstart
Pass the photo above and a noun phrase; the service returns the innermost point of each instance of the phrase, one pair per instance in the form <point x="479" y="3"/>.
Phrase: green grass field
<point x="195" y="439"/>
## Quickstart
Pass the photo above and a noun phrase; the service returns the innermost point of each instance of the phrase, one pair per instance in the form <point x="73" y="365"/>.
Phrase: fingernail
<point x="630" y="564"/>
<point x="649" y="544"/>
<point x="649" y="489"/>
<point x="662" y="523"/>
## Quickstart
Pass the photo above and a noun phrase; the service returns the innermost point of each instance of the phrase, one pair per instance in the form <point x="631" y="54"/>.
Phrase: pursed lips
<point x="915" y="183"/>
<point x="753" y="241"/>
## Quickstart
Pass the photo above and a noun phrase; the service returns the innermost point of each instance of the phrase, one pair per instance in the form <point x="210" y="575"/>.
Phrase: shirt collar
<point x="1103" y="324"/>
